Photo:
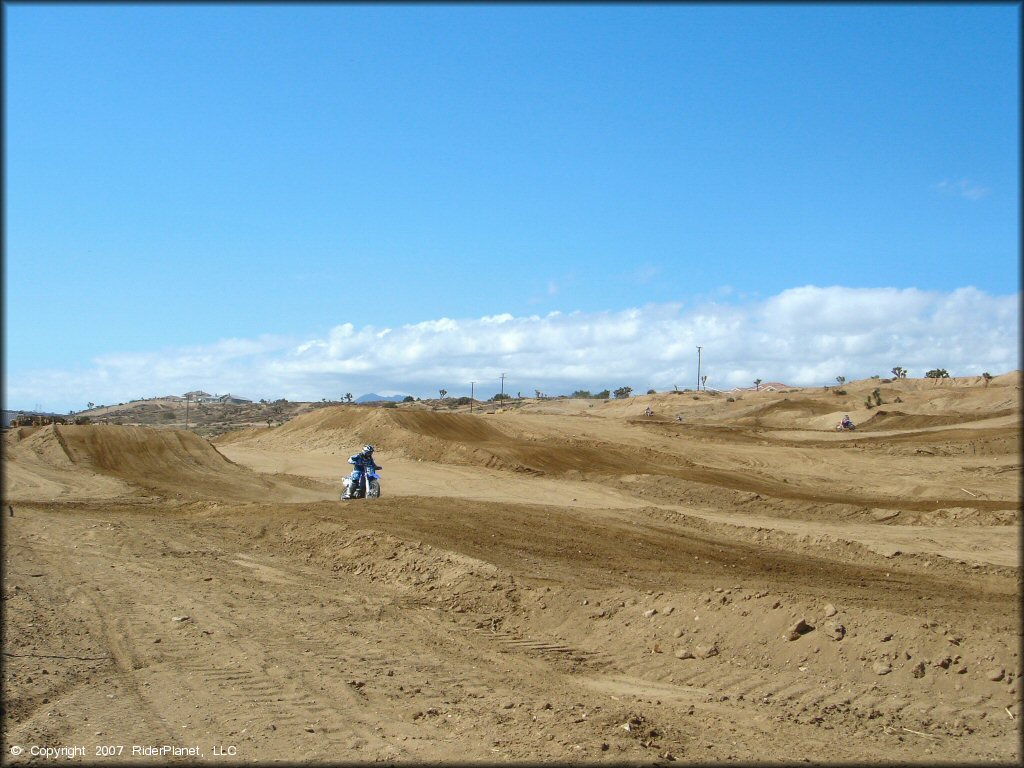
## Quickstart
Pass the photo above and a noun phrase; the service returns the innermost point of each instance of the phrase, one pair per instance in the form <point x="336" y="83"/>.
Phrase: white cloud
<point x="803" y="336"/>
<point x="963" y="188"/>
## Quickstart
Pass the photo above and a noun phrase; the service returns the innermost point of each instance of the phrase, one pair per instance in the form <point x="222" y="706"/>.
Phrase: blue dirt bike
<point x="368" y="487"/>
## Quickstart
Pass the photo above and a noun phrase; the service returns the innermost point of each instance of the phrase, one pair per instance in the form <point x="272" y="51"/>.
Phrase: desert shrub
<point x="408" y="399"/>
<point x="696" y="398"/>
<point x="389" y="405"/>
<point x="838" y="392"/>
<point x="167" y="415"/>
<point x="604" y="394"/>
<point x="582" y="393"/>
<point x="730" y="399"/>
<point x="651" y="392"/>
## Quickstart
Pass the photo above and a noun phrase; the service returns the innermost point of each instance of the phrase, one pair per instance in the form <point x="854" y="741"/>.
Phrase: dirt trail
<point x="573" y="585"/>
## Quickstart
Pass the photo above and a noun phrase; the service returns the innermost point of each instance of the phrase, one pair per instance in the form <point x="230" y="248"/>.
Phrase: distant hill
<point x="10" y="416"/>
<point x="373" y="398"/>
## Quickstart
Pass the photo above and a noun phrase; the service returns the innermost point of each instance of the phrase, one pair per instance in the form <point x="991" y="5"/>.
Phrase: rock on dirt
<point x="706" y="651"/>
<point x="801" y="627"/>
<point x="835" y="630"/>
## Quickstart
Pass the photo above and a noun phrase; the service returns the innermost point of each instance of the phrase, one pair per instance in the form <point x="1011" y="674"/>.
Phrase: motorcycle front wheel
<point x="373" y="489"/>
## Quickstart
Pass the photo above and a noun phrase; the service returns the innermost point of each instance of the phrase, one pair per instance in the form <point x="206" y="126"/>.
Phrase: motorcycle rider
<point x="361" y="462"/>
<point x="846" y="423"/>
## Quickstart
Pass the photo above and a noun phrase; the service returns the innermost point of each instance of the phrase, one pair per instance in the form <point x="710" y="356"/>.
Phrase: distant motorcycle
<point x="846" y="427"/>
<point x="369" y="487"/>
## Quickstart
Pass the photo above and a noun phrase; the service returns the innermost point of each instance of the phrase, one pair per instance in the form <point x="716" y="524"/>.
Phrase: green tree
<point x="501" y="396"/>
<point x="408" y="399"/>
<point x="604" y="394"/>
<point x="582" y="393"/>
<point x="937" y="373"/>
<point x="622" y="392"/>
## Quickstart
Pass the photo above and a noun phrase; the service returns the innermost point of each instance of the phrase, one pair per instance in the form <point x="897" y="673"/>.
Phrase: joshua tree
<point x="987" y="377"/>
<point x="899" y="372"/>
<point x="757" y="385"/>
<point x="841" y="380"/>
<point x="937" y="373"/>
<point x="348" y="397"/>
<point x="444" y="393"/>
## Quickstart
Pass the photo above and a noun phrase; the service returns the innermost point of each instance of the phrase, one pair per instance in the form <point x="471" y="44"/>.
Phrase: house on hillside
<point x="198" y="396"/>
<point x="232" y="400"/>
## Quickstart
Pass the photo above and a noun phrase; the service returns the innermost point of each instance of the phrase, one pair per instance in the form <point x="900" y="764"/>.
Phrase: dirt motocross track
<point x="568" y="581"/>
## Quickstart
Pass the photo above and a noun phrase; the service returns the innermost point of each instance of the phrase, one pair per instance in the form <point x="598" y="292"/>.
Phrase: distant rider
<point x="361" y="462"/>
<point x="847" y="424"/>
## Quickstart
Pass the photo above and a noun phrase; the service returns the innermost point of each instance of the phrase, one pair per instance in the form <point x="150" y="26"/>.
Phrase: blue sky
<point x="250" y="198"/>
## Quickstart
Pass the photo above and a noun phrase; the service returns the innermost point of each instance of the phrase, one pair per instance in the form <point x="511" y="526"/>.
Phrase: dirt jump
<point x="726" y="579"/>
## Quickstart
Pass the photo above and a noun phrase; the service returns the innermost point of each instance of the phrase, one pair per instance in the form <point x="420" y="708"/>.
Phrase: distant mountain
<point x="372" y="398"/>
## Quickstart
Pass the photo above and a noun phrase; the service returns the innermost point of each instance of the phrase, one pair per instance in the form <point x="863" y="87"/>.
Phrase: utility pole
<point x="471" y="395"/>
<point x="698" y="368"/>
<point x="187" y="399"/>
<point x="503" y="387"/>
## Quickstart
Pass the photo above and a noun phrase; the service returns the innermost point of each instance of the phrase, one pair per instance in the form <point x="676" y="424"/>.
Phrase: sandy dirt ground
<point x="568" y="581"/>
